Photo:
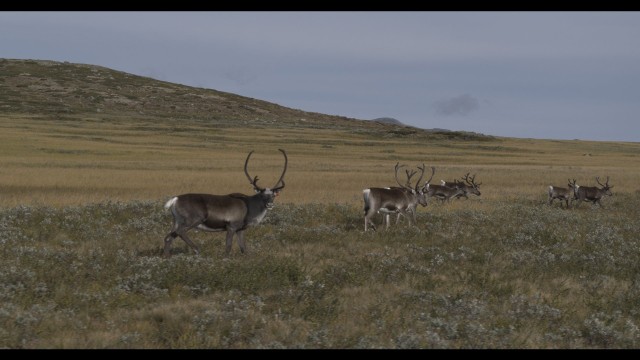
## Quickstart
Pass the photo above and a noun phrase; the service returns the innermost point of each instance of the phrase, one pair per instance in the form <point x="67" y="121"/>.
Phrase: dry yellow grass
<point x="54" y="162"/>
<point x="499" y="271"/>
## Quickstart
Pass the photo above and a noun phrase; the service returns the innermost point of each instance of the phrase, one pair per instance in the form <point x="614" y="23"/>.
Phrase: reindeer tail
<point x="171" y="202"/>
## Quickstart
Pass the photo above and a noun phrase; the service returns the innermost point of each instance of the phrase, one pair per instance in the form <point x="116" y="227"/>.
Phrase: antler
<point x="605" y="185"/>
<point x="421" y="176"/>
<point x="433" y="171"/>
<point x="254" y="181"/>
<point x="281" y="180"/>
<point x="409" y="176"/>
<point x="471" y="180"/>
<point x="398" y="166"/>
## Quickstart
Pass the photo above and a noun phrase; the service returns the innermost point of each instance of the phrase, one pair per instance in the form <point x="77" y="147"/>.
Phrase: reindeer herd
<point x="404" y="200"/>
<point x="575" y="192"/>
<point x="234" y="213"/>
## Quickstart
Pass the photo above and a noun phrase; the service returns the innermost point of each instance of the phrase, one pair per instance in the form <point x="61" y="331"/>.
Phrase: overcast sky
<point x="546" y="75"/>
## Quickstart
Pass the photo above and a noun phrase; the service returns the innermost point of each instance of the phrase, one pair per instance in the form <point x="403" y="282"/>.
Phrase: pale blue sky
<point x="547" y="75"/>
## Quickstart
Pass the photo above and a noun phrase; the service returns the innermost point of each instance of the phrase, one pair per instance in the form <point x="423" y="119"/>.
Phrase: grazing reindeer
<point x="232" y="213"/>
<point x="398" y="200"/>
<point x="469" y="186"/>
<point x="442" y="192"/>
<point x="592" y="193"/>
<point x="563" y="194"/>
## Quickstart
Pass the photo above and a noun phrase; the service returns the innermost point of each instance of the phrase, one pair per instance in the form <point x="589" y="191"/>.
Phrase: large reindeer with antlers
<point x="232" y="213"/>
<point x="394" y="200"/>
<point x="565" y="194"/>
<point x="592" y="193"/>
<point x="469" y="186"/>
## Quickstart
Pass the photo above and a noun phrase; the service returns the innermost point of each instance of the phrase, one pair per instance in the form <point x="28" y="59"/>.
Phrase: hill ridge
<point x="64" y="89"/>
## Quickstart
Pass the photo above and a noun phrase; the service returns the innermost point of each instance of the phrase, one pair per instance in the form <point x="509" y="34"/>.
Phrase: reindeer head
<point x="416" y="190"/>
<point x="268" y="194"/>
<point x="472" y="186"/>
<point x="605" y="187"/>
<point x="419" y="191"/>
<point x="424" y="190"/>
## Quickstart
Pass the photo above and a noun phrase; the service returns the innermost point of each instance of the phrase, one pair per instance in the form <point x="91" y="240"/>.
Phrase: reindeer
<point x="442" y="192"/>
<point x="592" y="193"/>
<point x="394" y="200"/>
<point x="232" y="213"/>
<point x="563" y="194"/>
<point x="469" y="186"/>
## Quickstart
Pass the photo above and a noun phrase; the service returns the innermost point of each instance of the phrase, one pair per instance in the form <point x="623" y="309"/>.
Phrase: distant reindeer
<point x="232" y="213"/>
<point x="394" y="200"/>
<point x="442" y="192"/>
<point x="565" y="194"/>
<point x="592" y="193"/>
<point x="469" y="186"/>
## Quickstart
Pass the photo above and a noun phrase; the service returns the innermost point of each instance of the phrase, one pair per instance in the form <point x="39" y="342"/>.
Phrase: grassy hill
<point x="66" y="90"/>
<point x="89" y="155"/>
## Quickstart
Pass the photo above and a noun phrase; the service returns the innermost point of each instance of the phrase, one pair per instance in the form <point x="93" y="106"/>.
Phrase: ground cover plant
<point x="82" y="225"/>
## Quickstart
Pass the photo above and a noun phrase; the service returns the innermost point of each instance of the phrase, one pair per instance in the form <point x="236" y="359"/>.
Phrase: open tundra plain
<point x="82" y="225"/>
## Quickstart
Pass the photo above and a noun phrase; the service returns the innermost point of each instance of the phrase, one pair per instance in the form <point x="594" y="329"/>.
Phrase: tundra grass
<point x="517" y="274"/>
<point x="77" y="161"/>
<point x="82" y="223"/>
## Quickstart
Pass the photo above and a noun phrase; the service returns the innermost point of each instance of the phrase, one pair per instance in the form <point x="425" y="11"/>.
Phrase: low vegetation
<point x="517" y="274"/>
<point x="82" y="225"/>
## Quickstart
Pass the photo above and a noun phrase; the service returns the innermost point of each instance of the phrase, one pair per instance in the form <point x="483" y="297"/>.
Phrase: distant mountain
<point x="439" y="130"/>
<point x="445" y="132"/>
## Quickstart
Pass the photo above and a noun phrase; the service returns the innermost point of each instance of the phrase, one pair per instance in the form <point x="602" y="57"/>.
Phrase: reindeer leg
<point x="180" y="230"/>
<point x="243" y="248"/>
<point x="169" y="239"/>
<point x="183" y="236"/>
<point x="167" y="244"/>
<point x="368" y="221"/>
<point x="365" y="220"/>
<point x="412" y="220"/>
<point x="229" y="240"/>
